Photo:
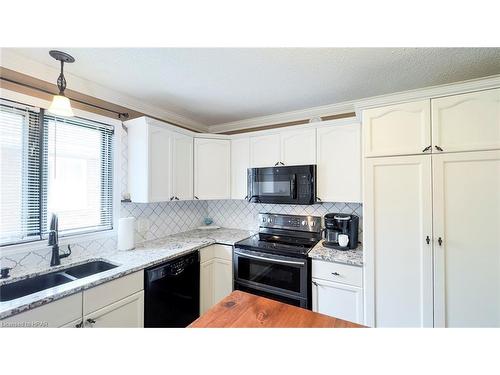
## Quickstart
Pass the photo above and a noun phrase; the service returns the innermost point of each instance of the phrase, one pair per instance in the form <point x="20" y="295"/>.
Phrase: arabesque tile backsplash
<point x="165" y="218"/>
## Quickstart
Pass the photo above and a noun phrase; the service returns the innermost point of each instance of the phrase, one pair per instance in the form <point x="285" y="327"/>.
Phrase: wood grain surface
<point x="245" y="310"/>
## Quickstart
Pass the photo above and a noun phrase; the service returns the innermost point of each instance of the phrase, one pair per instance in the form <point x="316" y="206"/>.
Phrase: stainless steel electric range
<point x="274" y="262"/>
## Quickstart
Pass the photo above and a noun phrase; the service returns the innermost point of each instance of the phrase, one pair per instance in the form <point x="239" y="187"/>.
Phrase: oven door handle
<point x="269" y="259"/>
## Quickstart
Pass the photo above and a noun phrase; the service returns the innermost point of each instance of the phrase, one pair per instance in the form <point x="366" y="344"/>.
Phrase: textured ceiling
<point x="217" y="85"/>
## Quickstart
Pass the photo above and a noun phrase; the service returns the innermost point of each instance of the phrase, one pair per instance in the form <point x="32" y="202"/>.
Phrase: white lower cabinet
<point x="216" y="275"/>
<point x="125" y="313"/>
<point x="337" y="290"/>
<point x="398" y="241"/>
<point x="466" y="219"/>
<point x="117" y="303"/>
<point x="338" y="300"/>
<point x="65" y="312"/>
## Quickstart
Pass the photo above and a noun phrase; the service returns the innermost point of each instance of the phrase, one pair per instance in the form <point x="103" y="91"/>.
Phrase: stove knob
<point x="304" y="223"/>
<point x="269" y="220"/>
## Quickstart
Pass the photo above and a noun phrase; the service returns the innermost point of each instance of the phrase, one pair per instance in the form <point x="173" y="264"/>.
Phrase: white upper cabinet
<point x="401" y="129"/>
<point x="466" y="239"/>
<point x="290" y="147"/>
<point x="265" y="150"/>
<point x="339" y="163"/>
<point x="212" y="168"/>
<point x="160" y="162"/>
<point x="467" y="122"/>
<point x="240" y="162"/>
<point x="397" y="234"/>
<point x="182" y="167"/>
<point x="149" y="162"/>
<point x="298" y="147"/>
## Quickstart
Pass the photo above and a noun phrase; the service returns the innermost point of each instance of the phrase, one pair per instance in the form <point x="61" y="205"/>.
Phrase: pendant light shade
<point x="61" y="106"/>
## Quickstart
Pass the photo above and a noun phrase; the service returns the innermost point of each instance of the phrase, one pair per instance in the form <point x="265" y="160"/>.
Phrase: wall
<point x="165" y="218"/>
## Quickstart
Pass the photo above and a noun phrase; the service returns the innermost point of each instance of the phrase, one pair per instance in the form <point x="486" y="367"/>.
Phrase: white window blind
<point x="79" y="174"/>
<point x="53" y="165"/>
<point x="19" y="173"/>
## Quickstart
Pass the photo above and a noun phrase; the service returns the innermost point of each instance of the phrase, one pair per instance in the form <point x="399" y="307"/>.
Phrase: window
<point x="53" y="165"/>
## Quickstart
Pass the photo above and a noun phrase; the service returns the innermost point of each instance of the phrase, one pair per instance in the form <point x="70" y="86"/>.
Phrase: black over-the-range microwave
<point x="283" y="184"/>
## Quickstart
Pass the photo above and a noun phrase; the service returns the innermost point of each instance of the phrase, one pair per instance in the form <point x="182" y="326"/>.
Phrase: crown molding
<point x="357" y="106"/>
<point x="308" y="113"/>
<point x="21" y="64"/>
<point x="461" y="87"/>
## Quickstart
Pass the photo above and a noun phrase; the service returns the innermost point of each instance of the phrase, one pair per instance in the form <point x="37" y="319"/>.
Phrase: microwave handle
<point x="294" y="186"/>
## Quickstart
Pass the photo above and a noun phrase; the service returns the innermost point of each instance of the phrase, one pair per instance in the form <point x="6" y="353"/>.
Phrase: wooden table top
<point x="245" y="310"/>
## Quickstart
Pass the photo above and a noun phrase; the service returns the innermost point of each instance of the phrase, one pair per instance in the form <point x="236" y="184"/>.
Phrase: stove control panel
<point x="290" y="222"/>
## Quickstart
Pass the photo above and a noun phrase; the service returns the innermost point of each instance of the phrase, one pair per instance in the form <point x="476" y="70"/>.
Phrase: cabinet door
<point x="339" y="163"/>
<point x="206" y="285"/>
<point x="338" y="300"/>
<point x="182" y="168"/>
<point x="125" y="313"/>
<point x="212" y="168"/>
<point x="240" y="162"/>
<point x="265" y="150"/>
<point x="298" y="147"/>
<point x="398" y="261"/>
<point x="223" y="279"/>
<point x="54" y="314"/>
<point x="160" y="164"/>
<point x="401" y="129"/>
<point x="467" y="122"/>
<point x="467" y="219"/>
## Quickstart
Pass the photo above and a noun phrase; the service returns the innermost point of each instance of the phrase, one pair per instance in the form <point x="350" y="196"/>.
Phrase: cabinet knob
<point x="195" y="197"/>
<point x="275" y="164"/>
<point x="282" y="163"/>
<point x="428" y="240"/>
<point x="335" y="274"/>
<point x="176" y="198"/>
<point x="79" y="325"/>
<point x="91" y="321"/>
<point x="440" y="241"/>
<point x="438" y="148"/>
<point x="427" y="149"/>
<point x="171" y="198"/>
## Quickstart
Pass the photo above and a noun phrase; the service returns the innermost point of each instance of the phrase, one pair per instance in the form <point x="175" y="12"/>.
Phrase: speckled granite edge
<point x="351" y="257"/>
<point x="145" y="255"/>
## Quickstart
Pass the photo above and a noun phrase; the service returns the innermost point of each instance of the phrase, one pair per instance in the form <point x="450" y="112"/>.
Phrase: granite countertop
<point x="353" y="257"/>
<point x="144" y="255"/>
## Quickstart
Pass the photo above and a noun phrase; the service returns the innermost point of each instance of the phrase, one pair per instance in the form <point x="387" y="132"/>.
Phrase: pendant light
<point x="61" y="105"/>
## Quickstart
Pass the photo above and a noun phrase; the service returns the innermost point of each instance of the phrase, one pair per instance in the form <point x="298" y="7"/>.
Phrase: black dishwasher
<point x="172" y="293"/>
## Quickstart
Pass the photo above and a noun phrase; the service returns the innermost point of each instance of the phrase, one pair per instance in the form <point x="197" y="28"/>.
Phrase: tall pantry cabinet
<point x="432" y="212"/>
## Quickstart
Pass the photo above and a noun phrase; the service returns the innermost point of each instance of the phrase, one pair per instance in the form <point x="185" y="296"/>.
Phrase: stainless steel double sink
<point x="35" y="284"/>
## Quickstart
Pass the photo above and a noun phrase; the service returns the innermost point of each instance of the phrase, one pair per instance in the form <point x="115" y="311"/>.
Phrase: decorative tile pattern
<point x="243" y="215"/>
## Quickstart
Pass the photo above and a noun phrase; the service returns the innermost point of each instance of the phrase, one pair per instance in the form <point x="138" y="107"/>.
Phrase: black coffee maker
<point x="341" y="231"/>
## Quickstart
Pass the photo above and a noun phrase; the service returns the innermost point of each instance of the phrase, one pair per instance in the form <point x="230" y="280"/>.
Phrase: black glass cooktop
<point x="278" y="244"/>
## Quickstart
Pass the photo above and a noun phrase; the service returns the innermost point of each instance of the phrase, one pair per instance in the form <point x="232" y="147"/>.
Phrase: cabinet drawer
<point x="340" y="273"/>
<point x="112" y="291"/>
<point x="53" y="314"/>
<point x="216" y="251"/>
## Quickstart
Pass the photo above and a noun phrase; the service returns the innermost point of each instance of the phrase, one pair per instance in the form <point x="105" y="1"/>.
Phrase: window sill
<point x="42" y="244"/>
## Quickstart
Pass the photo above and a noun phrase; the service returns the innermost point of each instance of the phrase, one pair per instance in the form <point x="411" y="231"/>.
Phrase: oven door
<point x="271" y="274"/>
